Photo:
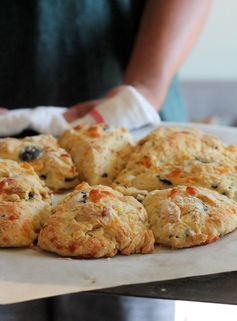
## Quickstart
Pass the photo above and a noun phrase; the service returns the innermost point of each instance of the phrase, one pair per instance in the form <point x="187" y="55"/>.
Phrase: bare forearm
<point x="168" y="30"/>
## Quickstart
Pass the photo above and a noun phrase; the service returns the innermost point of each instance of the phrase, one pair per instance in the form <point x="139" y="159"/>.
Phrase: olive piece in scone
<point x="31" y="195"/>
<point x="84" y="196"/>
<point x="30" y="153"/>
<point x="104" y="175"/>
<point x="70" y="179"/>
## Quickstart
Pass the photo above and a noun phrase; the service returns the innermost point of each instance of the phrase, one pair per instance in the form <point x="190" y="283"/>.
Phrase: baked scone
<point x="186" y="216"/>
<point x="97" y="222"/>
<point x="24" y="204"/>
<point x="51" y="162"/>
<point x="99" y="151"/>
<point x="171" y="156"/>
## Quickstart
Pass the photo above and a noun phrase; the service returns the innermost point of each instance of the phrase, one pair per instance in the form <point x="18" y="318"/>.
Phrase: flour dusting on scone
<point x="97" y="222"/>
<point x="171" y="156"/>
<point x="51" y="162"/>
<point x="186" y="216"/>
<point x="99" y="151"/>
<point x="24" y="204"/>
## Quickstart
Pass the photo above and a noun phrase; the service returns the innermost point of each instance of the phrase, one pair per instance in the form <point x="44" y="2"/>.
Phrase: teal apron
<point x="60" y="52"/>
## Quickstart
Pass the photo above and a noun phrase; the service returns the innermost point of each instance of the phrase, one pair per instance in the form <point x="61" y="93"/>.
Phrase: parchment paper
<point x="27" y="274"/>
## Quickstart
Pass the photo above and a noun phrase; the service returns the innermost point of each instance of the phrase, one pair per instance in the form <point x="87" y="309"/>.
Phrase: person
<point x="57" y="52"/>
<point x="77" y="53"/>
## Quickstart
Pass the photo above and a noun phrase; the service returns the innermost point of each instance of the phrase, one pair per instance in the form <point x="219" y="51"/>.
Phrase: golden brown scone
<point x="186" y="216"/>
<point x="99" y="151"/>
<point x="97" y="222"/>
<point x="24" y="204"/>
<point x="174" y="156"/>
<point x="51" y="162"/>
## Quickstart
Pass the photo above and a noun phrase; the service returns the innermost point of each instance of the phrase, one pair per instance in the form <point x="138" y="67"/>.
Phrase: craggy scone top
<point x="51" y="162"/>
<point x="99" y="151"/>
<point x="171" y="156"/>
<point x="24" y="204"/>
<point x="186" y="216"/>
<point x="97" y="222"/>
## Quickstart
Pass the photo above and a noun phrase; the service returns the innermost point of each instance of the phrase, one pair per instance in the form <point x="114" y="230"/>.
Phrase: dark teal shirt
<point x="60" y="52"/>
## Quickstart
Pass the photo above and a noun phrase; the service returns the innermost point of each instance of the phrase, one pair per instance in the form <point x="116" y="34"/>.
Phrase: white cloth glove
<point x="47" y="120"/>
<point x="128" y="109"/>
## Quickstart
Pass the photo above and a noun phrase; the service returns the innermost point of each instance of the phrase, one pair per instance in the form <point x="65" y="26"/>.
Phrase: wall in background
<point x="215" y="55"/>
<point x="211" y="99"/>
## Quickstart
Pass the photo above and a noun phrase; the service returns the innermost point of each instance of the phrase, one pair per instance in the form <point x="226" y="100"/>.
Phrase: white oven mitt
<point x="128" y="109"/>
<point x="45" y="120"/>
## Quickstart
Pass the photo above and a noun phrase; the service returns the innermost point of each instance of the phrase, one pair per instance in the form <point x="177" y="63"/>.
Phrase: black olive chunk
<point x="84" y="197"/>
<point x="104" y="175"/>
<point x="30" y="153"/>
<point x="70" y="179"/>
<point x="31" y="195"/>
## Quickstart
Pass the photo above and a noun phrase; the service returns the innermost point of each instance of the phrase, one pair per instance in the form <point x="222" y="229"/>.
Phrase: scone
<point x="51" y="162"/>
<point x="186" y="216"/>
<point x="170" y="156"/>
<point x="99" y="151"/>
<point x="24" y="204"/>
<point x="97" y="222"/>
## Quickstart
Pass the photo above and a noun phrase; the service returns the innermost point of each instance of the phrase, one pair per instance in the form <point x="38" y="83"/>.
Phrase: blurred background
<point x="209" y="75"/>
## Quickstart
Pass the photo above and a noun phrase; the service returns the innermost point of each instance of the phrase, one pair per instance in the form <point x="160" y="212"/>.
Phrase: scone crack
<point x="164" y="180"/>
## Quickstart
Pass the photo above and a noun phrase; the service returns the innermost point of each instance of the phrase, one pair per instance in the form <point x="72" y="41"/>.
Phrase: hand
<point x="3" y="111"/>
<point x="81" y="109"/>
<point x="154" y="96"/>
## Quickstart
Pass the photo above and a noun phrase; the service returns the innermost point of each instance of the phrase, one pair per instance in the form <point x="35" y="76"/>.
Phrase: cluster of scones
<point x="175" y="187"/>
